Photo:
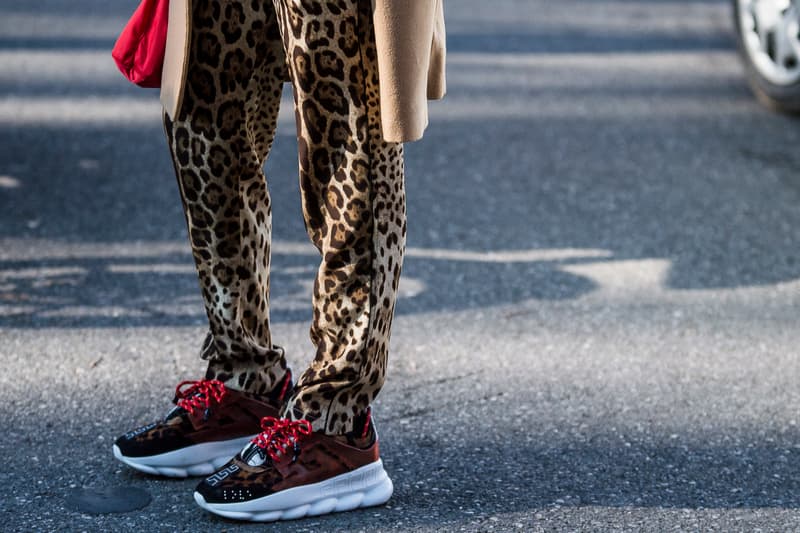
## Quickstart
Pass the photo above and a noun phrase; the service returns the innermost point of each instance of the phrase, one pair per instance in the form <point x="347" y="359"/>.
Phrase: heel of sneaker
<point x="378" y="494"/>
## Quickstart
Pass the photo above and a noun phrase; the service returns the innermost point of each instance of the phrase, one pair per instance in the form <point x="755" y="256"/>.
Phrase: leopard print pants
<point x="352" y="191"/>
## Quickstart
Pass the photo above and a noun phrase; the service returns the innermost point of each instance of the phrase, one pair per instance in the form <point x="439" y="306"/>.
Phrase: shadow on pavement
<point x="572" y="169"/>
<point x="484" y="189"/>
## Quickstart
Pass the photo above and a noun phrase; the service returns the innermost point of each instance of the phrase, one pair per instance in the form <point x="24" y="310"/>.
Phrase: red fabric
<point x="140" y="49"/>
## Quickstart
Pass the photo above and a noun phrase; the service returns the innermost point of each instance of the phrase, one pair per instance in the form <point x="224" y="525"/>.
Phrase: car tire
<point x="783" y="98"/>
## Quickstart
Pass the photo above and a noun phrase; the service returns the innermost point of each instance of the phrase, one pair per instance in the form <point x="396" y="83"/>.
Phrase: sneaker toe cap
<point x="216" y="491"/>
<point x="131" y="445"/>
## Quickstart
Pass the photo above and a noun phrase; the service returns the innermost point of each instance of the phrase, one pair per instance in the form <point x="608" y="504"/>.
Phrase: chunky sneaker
<point x="208" y="425"/>
<point x="288" y="472"/>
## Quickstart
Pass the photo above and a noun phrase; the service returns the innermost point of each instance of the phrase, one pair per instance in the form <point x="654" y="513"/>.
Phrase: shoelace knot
<point x="281" y="434"/>
<point x="199" y="395"/>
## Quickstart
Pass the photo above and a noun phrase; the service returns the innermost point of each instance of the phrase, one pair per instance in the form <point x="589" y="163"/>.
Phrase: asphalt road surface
<point x="598" y="322"/>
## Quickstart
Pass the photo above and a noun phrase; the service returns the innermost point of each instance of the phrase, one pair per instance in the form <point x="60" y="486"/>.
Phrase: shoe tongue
<point x="178" y="411"/>
<point x="253" y="455"/>
<point x="173" y="413"/>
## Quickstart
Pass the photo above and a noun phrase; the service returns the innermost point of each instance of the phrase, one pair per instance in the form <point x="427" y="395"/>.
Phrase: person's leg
<point x="219" y="142"/>
<point x="353" y="195"/>
<point x="323" y="456"/>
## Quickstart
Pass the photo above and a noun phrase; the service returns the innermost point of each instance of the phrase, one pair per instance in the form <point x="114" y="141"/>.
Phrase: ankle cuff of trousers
<point x="255" y="373"/>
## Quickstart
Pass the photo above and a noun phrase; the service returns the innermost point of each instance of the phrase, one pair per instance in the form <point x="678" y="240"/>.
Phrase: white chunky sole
<point x="363" y="487"/>
<point x="198" y="460"/>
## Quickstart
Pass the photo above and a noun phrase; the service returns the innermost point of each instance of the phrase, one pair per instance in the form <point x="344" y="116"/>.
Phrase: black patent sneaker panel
<point x="153" y="439"/>
<point x="233" y="483"/>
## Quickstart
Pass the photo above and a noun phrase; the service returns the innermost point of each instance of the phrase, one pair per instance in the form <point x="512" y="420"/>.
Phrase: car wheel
<point x="768" y="32"/>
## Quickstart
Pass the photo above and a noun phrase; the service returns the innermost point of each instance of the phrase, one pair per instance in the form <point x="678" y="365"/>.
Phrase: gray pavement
<point x="598" y="322"/>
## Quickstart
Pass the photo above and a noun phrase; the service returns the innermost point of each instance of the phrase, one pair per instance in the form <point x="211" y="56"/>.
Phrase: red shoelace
<point x="198" y="395"/>
<point x="279" y="435"/>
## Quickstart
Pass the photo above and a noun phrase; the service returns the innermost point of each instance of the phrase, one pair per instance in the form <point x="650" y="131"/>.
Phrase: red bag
<point x="140" y="49"/>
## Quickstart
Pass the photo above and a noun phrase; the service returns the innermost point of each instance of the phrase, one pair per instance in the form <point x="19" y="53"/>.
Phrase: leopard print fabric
<point x="352" y="192"/>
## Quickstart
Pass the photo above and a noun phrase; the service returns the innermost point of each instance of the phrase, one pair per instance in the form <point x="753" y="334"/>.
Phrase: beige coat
<point x="410" y="39"/>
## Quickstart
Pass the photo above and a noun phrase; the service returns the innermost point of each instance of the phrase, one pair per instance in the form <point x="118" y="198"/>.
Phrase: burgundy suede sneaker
<point x="289" y="472"/>
<point x="209" y="424"/>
